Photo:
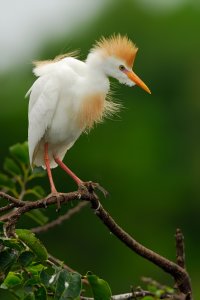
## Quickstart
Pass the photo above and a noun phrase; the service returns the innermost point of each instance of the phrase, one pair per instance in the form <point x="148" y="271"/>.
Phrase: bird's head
<point x="118" y="53"/>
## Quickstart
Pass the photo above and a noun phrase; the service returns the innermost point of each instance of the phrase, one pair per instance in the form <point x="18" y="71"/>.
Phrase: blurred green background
<point x="148" y="158"/>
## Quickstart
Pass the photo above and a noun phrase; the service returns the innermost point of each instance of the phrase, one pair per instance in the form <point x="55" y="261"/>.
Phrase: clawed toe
<point x="57" y="196"/>
<point x="90" y="187"/>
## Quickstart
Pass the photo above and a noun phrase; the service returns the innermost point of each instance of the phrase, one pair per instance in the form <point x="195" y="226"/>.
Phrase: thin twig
<point x="17" y="202"/>
<point x="126" y="296"/>
<point x="60" y="219"/>
<point x="180" y="249"/>
<point x="7" y="207"/>
<point x="58" y="262"/>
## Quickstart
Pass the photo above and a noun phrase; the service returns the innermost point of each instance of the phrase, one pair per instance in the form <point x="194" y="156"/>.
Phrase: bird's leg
<point x="52" y="185"/>
<point x="90" y="186"/>
<point x="47" y="164"/>
<point x="68" y="171"/>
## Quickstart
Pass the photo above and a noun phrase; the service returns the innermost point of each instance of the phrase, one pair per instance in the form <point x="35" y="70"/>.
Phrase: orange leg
<point x="67" y="170"/>
<point x="47" y="164"/>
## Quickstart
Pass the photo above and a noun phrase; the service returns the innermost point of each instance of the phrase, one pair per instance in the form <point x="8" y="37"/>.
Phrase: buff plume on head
<point x="119" y="46"/>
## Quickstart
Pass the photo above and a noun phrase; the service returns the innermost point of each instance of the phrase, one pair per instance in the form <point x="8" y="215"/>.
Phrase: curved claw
<point x="101" y="189"/>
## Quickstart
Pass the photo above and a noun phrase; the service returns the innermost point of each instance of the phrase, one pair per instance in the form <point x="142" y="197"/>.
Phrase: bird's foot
<point x="57" y="196"/>
<point x="90" y="187"/>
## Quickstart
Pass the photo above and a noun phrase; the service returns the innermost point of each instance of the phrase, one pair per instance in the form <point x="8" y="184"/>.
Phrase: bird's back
<point x="51" y="66"/>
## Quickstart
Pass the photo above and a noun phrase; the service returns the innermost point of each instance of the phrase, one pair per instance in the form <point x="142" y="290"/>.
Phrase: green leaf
<point x="169" y="290"/>
<point x="38" y="191"/>
<point x="40" y="293"/>
<point x="30" y="296"/>
<point x="35" y="269"/>
<point x="100" y="288"/>
<point x="20" y="152"/>
<point x="73" y="290"/>
<point x="19" y="292"/>
<point x="11" y="167"/>
<point x="26" y="258"/>
<point x="12" y="243"/>
<point x="12" y="280"/>
<point x="148" y="298"/>
<point x="47" y="276"/>
<point x="34" y="280"/>
<point x="159" y="292"/>
<point x="6" y="182"/>
<point x="38" y="216"/>
<point x="33" y="243"/>
<point x="7" y="259"/>
<point x="68" y="285"/>
<point x="61" y="279"/>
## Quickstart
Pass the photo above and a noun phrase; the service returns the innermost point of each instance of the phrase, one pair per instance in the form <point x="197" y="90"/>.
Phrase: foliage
<point x="18" y="178"/>
<point x="18" y="175"/>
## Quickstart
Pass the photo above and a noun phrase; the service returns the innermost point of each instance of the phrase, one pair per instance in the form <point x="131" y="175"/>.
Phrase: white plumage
<point x="70" y="95"/>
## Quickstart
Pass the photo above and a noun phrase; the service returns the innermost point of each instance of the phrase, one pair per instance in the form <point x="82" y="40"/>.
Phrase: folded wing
<point x="44" y="97"/>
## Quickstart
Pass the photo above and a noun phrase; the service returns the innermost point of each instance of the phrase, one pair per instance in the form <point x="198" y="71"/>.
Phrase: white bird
<point x="70" y="96"/>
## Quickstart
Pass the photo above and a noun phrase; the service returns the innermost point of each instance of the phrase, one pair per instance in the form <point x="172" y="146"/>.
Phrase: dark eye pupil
<point x="121" y="67"/>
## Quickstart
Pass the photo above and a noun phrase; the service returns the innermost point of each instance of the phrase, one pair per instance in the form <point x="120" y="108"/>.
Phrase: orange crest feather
<point x="119" y="46"/>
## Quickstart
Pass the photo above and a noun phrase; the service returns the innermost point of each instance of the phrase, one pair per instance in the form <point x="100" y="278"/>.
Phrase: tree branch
<point x="60" y="219"/>
<point x="17" y="202"/>
<point x="7" y="207"/>
<point x="179" y="274"/>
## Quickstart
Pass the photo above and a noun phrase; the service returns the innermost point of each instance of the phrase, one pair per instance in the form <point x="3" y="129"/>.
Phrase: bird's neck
<point x="96" y="74"/>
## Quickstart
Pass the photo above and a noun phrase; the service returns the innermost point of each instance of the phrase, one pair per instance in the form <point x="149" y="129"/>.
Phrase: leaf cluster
<point x="18" y="175"/>
<point x="26" y="272"/>
<point x="18" y="179"/>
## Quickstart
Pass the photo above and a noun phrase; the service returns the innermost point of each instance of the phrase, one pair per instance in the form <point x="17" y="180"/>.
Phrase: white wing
<point x="44" y="98"/>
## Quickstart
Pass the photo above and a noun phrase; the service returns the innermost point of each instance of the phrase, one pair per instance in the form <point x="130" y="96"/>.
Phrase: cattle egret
<point x="70" y="96"/>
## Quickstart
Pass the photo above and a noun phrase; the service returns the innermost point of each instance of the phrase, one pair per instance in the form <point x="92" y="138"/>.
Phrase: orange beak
<point x="132" y="76"/>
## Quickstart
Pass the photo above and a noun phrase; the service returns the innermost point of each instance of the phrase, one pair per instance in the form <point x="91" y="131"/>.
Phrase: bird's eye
<point x="122" y="68"/>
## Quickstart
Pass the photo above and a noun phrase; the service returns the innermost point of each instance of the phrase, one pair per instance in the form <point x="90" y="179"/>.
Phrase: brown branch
<point x="60" y="219"/>
<point x="179" y="274"/>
